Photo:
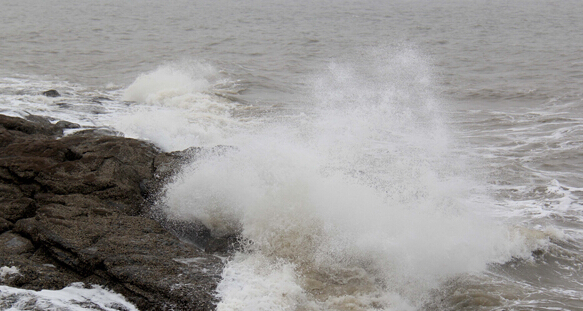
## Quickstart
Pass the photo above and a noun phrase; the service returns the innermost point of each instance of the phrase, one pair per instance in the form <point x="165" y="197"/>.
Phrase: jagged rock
<point x="72" y="210"/>
<point x="51" y="93"/>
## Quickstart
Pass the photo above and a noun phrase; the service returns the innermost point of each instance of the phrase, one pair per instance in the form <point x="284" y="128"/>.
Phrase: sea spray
<point x="178" y="105"/>
<point x="360" y="203"/>
<point x="169" y="81"/>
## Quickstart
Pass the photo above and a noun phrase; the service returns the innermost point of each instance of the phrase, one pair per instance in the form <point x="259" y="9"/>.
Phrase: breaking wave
<point x="178" y="105"/>
<point x="360" y="203"/>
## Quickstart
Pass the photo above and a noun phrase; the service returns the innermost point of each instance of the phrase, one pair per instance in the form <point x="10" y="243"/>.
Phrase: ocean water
<point x="402" y="155"/>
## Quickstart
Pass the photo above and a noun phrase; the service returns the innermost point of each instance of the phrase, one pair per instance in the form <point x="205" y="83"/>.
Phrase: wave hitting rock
<point x="72" y="210"/>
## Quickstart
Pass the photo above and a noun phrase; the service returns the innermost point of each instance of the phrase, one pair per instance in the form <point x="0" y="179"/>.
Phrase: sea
<point x="386" y="155"/>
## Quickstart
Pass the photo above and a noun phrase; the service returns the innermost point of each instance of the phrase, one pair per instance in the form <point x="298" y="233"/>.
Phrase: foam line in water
<point x="360" y="204"/>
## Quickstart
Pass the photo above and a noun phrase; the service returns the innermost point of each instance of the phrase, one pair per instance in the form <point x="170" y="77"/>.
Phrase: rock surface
<point x="51" y="93"/>
<point x="72" y="210"/>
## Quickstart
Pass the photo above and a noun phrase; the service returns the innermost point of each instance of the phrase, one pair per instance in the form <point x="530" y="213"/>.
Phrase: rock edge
<point x="72" y="209"/>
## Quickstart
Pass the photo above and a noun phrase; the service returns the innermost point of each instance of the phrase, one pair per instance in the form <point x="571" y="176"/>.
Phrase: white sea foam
<point x="270" y="285"/>
<point x="359" y="204"/>
<point x="175" y="107"/>
<point x="537" y="204"/>
<point x="22" y="96"/>
<point x="74" y="297"/>
<point x="7" y="271"/>
<point x="170" y="81"/>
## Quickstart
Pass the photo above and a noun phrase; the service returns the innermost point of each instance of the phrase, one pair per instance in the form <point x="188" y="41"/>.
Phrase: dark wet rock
<point x="195" y="232"/>
<point x="37" y="271"/>
<point x="67" y="125"/>
<point x="5" y="225"/>
<point x="223" y="245"/>
<point x="168" y="164"/>
<point x="12" y="210"/>
<point x="39" y="119"/>
<point x="63" y="105"/>
<point x="99" y="132"/>
<point x="51" y="93"/>
<point x="192" y="231"/>
<point x="15" y="244"/>
<point x="21" y="127"/>
<point x="72" y="210"/>
<point x="100" y="99"/>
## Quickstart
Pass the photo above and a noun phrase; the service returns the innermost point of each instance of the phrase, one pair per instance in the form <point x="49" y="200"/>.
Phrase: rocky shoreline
<point x="80" y="208"/>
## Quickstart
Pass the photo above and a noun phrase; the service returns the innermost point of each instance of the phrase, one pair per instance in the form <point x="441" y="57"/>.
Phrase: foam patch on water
<point x="22" y="96"/>
<point x="74" y="297"/>
<point x="359" y="204"/>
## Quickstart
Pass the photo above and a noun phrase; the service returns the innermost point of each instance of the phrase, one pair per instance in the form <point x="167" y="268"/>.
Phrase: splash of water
<point x="75" y="297"/>
<point x="176" y="106"/>
<point x="358" y="204"/>
<point x="167" y="82"/>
